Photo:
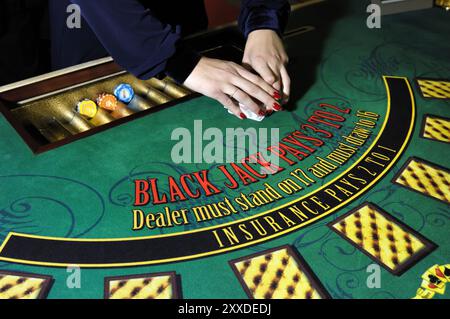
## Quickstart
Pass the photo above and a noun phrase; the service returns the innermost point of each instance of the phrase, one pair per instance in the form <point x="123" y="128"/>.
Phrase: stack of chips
<point x="125" y="93"/>
<point x="87" y="108"/>
<point x="72" y="121"/>
<point x="110" y="103"/>
<point x="107" y="101"/>
<point x="90" y="110"/>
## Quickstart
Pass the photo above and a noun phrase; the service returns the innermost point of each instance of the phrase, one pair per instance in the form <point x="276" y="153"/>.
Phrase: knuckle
<point x="228" y="102"/>
<point x="265" y="86"/>
<point x="225" y="73"/>
<point x="259" y="59"/>
<point x="253" y="90"/>
<point x="287" y="81"/>
<point x="232" y="79"/>
<point x="217" y="95"/>
<point x="230" y="65"/>
<point x="216" y="90"/>
<point x="270" y="78"/>
<point x="248" y="102"/>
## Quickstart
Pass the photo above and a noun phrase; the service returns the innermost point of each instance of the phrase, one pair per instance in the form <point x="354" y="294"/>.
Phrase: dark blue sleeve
<point x="137" y="40"/>
<point x="264" y="14"/>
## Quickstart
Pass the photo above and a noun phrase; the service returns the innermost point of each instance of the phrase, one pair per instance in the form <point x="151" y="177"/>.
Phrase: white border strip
<point x="54" y="74"/>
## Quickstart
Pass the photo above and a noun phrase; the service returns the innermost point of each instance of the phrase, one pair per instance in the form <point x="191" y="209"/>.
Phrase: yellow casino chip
<point x="87" y="108"/>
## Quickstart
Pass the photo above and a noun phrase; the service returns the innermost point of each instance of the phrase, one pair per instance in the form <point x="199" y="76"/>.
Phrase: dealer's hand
<point x="265" y="54"/>
<point x="231" y="84"/>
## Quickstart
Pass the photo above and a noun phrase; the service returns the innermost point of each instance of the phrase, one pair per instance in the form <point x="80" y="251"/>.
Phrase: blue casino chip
<point x="124" y="93"/>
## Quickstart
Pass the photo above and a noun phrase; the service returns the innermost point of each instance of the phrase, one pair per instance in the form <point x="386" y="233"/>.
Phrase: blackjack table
<point x="354" y="203"/>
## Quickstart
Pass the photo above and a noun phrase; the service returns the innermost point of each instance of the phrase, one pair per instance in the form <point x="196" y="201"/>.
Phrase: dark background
<point x="25" y="35"/>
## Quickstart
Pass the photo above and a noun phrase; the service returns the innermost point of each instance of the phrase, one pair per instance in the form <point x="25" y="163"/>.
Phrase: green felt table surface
<point x="85" y="190"/>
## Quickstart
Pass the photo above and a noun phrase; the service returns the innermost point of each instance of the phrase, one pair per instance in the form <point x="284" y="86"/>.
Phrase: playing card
<point x="249" y="114"/>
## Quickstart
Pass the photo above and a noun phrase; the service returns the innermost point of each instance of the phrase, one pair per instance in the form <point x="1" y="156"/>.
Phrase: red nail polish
<point x="276" y="96"/>
<point x="277" y="106"/>
<point x="242" y="115"/>
<point x="262" y="113"/>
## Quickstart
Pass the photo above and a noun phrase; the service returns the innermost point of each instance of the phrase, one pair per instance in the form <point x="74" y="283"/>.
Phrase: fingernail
<point x="262" y="113"/>
<point x="277" y="106"/>
<point x="242" y="115"/>
<point x="276" y="95"/>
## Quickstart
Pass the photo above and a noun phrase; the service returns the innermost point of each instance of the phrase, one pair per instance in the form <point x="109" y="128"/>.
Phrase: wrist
<point x="261" y="18"/>
<point x="261" y="32"/>
<point x="181" y="64"/>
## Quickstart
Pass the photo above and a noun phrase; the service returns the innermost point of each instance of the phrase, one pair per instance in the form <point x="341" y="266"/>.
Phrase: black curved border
<point x="183" y="246"/>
